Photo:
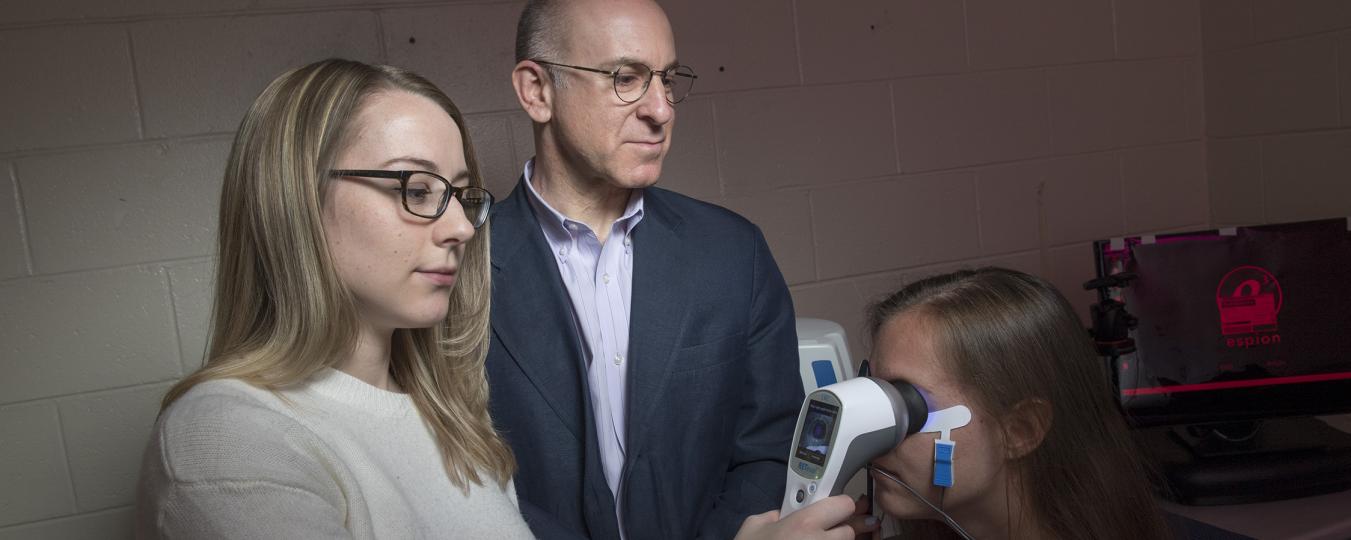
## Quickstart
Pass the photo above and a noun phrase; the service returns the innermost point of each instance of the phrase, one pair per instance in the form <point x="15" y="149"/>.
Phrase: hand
<point x="863" y="522"/>
<point x="834" y="518"/>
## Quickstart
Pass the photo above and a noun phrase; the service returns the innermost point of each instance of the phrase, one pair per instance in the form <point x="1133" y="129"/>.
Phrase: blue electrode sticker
<point x="943" y="462"/>
<point x="943" y="422"/>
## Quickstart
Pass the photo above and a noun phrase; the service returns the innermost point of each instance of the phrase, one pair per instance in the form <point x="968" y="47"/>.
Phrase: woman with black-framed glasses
<point x="426" y="194"/>
<point x="343" y="393"/>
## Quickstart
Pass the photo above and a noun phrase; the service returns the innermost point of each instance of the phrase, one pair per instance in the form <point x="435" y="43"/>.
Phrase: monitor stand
<point x="1237" y="463"/>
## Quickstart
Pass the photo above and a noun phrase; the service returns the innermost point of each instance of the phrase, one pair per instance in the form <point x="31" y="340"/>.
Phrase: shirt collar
<point x="555" y="224"/>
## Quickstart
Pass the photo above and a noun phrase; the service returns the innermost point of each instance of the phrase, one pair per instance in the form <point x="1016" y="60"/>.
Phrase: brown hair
<point x="1009" y="337"/>
<point x="539" y="30"/>
<point x="281" y="314"/>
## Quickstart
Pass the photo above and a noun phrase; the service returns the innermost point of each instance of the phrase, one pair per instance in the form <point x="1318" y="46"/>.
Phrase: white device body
<point x="823" y="354"/>
<point x="840" y="428"/>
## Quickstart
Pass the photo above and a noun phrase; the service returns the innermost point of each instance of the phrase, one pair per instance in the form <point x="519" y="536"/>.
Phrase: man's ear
<point x="533" y="90"/>
<point x="1026" y="426"/>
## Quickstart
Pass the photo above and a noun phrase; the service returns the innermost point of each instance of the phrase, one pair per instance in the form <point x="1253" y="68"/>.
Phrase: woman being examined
<point x="1045" y="454"/>
<point x="343" y="394"/>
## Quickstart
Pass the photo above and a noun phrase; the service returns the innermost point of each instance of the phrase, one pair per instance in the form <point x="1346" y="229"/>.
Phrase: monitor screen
<point x="817" y="427"/>
<point x="1239" y="324"/>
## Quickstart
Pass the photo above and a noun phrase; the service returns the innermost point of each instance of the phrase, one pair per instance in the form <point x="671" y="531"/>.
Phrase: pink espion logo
<point x="1249" y="298"/>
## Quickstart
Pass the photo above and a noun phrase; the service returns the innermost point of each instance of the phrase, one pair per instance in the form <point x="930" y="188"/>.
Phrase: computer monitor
<point x="1223" y="344"/>
<point x="1234" y="324"/>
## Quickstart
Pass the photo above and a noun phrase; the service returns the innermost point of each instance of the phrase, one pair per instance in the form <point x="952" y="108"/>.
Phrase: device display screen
<point x="817" y="427"/>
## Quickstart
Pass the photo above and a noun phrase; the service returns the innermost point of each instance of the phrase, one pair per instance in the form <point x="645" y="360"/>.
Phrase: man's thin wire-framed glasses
<point x="426" y="194"/>
<point x="631" y="80"/>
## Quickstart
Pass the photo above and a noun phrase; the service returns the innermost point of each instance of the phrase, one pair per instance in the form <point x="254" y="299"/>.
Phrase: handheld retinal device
<point x="842" y="427"/>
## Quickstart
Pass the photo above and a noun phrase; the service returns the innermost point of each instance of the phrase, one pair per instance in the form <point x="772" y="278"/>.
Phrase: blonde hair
<point x="281" y="313"/>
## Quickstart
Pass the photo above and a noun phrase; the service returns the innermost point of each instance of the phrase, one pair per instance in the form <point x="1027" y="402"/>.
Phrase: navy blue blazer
<point x="713" y="384"/>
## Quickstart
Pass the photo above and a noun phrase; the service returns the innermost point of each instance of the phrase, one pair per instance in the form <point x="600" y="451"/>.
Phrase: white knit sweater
<point x="338" y="458"/>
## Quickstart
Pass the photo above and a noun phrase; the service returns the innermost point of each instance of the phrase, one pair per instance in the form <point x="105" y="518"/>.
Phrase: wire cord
<point x="951" y="522"/>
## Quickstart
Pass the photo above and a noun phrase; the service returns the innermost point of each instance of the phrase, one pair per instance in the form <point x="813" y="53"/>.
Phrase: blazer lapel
<point x="657" y="311"/>
<point x="530" y="305"/>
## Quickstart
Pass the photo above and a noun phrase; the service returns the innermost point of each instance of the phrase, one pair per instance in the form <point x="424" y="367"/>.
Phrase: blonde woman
<point x="343" y="395"/>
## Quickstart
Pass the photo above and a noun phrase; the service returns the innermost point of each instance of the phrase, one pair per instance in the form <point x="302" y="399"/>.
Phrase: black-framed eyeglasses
<point x="426" y="194"/>
<point x="631" y="80"/>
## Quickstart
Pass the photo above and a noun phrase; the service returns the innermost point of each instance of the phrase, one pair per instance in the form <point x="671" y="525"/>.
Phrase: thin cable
<point x="951" y="522"/>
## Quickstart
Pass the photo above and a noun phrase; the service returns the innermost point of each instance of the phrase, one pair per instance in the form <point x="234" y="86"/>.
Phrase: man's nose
<point x="653" y="106"/>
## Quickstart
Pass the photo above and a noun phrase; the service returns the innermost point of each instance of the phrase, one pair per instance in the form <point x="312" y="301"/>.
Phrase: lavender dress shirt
<point x="599" y="280"/>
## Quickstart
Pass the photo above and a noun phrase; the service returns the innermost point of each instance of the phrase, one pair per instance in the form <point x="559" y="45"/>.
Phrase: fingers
<point x="759" y="520"/>
<point x="862" y="505"/>
<point x="861" y="525"/>
<point x="758" y="526"/>
<point x="834" y="518"/>
<point x="826" y="513"/>
<point x="839" y="533"/>
<point x="875" y="535"/>
<point x="834" y="510"/>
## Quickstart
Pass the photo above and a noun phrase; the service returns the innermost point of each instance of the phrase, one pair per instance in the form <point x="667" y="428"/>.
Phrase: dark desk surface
<point x="1325" y="517"/>
<point x="1189" y="529"/>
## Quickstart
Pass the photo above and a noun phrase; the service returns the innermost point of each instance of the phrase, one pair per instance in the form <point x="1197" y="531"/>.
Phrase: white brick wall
<point x="192" y="284"/>
<point x="115" y="523"/>
<point x="468" y="50"/>
<point x="1027" y="33"/>
<point x="880" y="39"/>
<point x="37" y="479"/>
<point x="200" y="75"/>
<point x="12" y="244"/>
<point x="1278" y="109"/>
<point x="692" y="165"/>
<point x="895" y="222"/>
<point x="741" y="45"/>
<point x="874" y="141"/>
<point x="86" y="331"/>
<point x="105" y="434"/>
<point x="784" y="138"/>
<point x="68" y="86"/>
<point x="122" y="205"/>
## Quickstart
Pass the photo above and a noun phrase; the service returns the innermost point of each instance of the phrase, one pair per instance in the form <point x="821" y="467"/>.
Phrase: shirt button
<point x="605" y="278"/>
<point x="572" y="226"/>
<point x="619" y="359"/>
<point x="563" y="252"/>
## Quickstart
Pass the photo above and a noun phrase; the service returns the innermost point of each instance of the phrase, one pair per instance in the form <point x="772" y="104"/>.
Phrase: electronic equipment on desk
<point x="1222" y="344"/>
<point x="823" y="353"/>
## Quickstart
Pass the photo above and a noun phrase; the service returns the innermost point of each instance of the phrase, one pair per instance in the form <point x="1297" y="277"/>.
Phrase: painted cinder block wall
<point x="1278" y="105"/>
<point x="873" y="141"/>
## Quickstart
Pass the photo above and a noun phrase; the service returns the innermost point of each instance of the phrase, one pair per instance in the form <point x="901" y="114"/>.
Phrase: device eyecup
<point x="915" y="406"/>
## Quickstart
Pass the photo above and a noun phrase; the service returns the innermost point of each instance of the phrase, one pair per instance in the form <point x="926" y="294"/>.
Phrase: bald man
<point x="643" y="361"/>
